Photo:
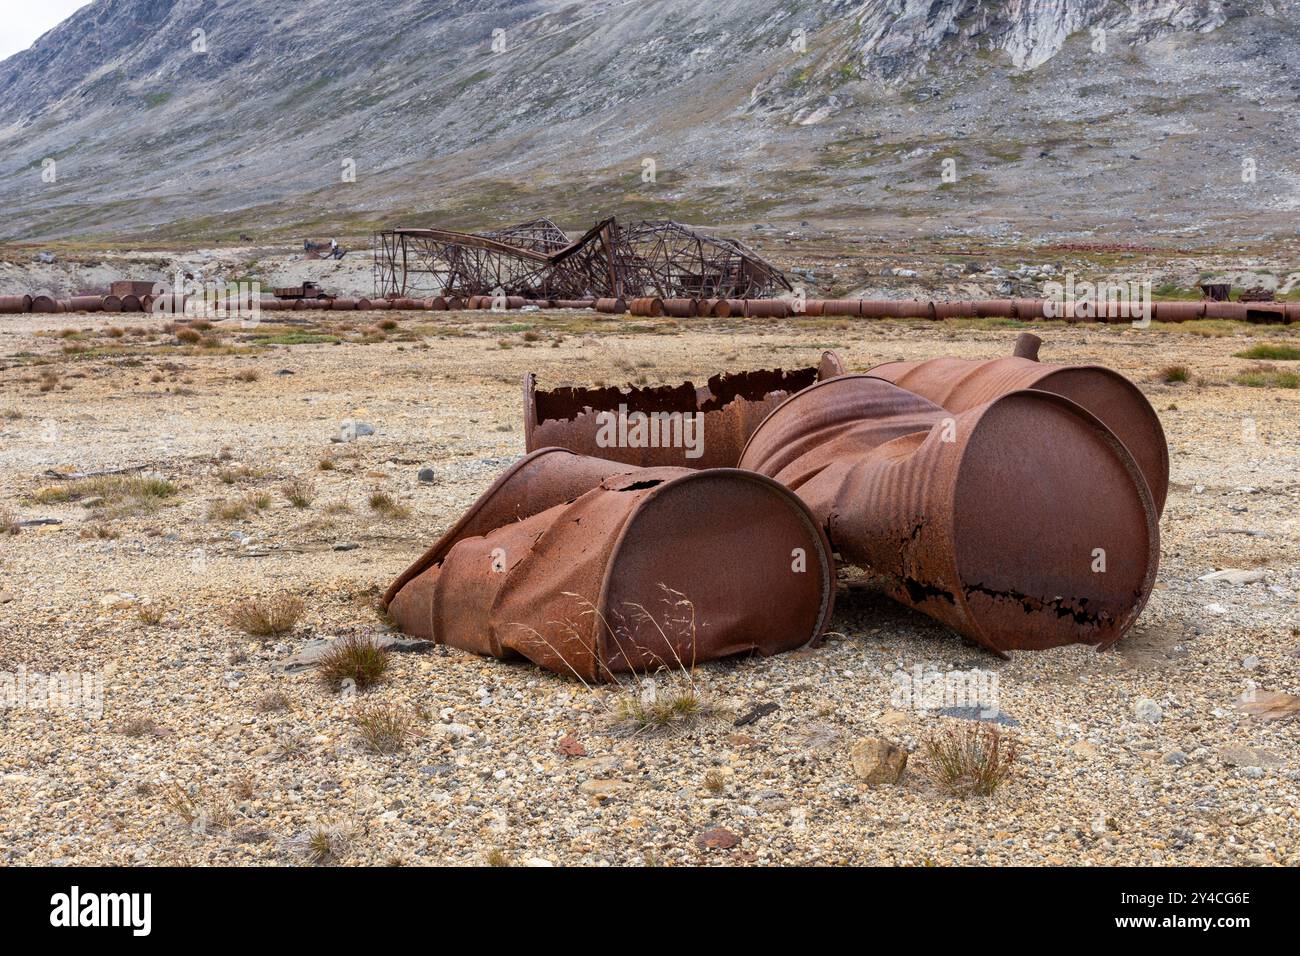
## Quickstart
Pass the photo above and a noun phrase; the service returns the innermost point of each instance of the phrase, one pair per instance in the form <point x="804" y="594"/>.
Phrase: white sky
<point x="22" y="21"/>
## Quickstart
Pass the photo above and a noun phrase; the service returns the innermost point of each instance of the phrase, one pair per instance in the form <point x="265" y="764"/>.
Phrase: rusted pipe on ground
<point x="611" y="306"/>
<point x="991" y="520"/>
<point x="767" y="309"/>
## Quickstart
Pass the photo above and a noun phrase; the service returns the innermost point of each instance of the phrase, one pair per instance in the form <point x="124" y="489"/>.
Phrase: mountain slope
<point x="762" y="109"/>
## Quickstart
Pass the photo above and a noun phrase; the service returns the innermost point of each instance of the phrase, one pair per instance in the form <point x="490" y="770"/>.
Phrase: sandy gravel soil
<point x="207" y="752"/>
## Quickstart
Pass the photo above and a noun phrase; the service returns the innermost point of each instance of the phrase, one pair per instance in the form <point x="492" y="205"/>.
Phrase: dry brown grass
<point x="299" y="492"/>
<point x="151" y="613"/>
<point x="384" y="504"/>
<point x="357" y="659"/>
<point x="267" y="617"/>
<point x="384" y="729"/>
<point x="969" y="758"/>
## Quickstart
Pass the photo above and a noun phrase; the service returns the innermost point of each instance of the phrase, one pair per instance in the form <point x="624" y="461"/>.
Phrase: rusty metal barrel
<point x="14" y="304"/>
<point x="455" y="303"/>
<point x="717" y="308"/>
<point x="680" y="308"/>
<point x="961" y="384"/>
<point x="992" y="520"/>
<point x="132" y="303"/>
<point x="44" y="303"/>
<point x="1225" y="310"/>
<point x="611" y="306"/>
<point x="678" y="425"/>
<point x="852" y="307"/>
<point x="1177" y="311"/>
<point x="958" y="309"/>
<point x="84" y="303"/>
<point x="767" y="308"/>
<point x="617" y="580"/>
<point x="343" y="305"/>
<point x="994" y="309"/>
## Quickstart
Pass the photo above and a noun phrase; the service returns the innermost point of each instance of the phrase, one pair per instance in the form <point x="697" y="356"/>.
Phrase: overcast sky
<point x="22" y="21"/>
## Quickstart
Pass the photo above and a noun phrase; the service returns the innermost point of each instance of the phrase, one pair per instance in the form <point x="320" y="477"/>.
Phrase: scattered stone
<point x="988" y="715"/>
<point x="1250" y="662"/>
<point x="1270" y="705"/>
<point x="426" y="476"/>
<point x="877" y="761"/>
<point x="1215" y="609"/>
<point x="1175" y="758"/>
<point x="310" y="653"/>
<point x="719" y="838"/>
<point x="1235" y="576"/>
<point x="346" y="546"/>
<point x="1236" y="755"/>
<point x="570" y="746"/>
<point x="604" y="789"/>
<point x="758" y="712"/>
<point x="1148" y="710"/>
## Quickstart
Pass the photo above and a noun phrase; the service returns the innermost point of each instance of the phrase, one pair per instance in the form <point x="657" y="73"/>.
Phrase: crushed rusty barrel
<point x="15" y="304"/>
<point x="436" y="304"/>
<point x="455" y="303"/>
<point x="611" y="306"/>
<point x="851" y="307"/>
<point x="650" y="569"/>
<point x="678" y="425"/>
<point x="540" y="480"/>
<point x="1022" y="523"/>
<point x="44" y="303"/>
<point x="961" y="384"/>
<point x="303" y="305"/>
<point x="767" y="309"/>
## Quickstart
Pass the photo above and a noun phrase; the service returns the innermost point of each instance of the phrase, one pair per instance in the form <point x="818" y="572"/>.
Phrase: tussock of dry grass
<point x="121" y="494"/>
<point x="384" y="729"/>
<point x="1173" y="374"/>
<point x="970" y="758"/>
<point x="354" y="658"/>
<point x="1268" y="376"/>
<point x="382" y="503"/>
<point x="299" y="492"/>
<point x="267" y="617"/>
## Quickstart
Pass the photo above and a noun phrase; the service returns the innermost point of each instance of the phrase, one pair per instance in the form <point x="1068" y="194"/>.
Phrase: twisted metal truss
<point x="538" y="260"/>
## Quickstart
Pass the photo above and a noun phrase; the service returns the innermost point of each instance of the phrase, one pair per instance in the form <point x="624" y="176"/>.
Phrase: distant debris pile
<point x="538" y="260"/>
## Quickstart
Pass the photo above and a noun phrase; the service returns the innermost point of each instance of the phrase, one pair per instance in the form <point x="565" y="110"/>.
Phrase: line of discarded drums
<point x="1022" y="309"/>
<point x="1013" y="501"/>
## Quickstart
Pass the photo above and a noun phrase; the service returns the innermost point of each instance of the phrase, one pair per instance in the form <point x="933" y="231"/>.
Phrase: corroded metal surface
<point x="991" y="520"/>
<point x="961" y="384"/>
<point x="648" y="569"/>
<point x="679" y="425"/>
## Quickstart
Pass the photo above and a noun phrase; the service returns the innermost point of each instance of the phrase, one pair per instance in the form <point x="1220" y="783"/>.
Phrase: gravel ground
<point x="189" y="761"/>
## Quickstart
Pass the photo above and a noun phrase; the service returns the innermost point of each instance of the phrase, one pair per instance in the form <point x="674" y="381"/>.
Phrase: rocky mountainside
<point x="178" y="119"/>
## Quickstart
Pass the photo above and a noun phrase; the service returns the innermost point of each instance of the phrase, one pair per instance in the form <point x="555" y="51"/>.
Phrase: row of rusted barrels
<point x="687" y="308"/>
<point x="1042" y="309"/>
<point x="16" y="304"/>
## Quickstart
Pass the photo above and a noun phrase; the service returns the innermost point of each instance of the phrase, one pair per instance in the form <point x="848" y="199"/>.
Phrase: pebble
<point x="1148" y="710"/>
